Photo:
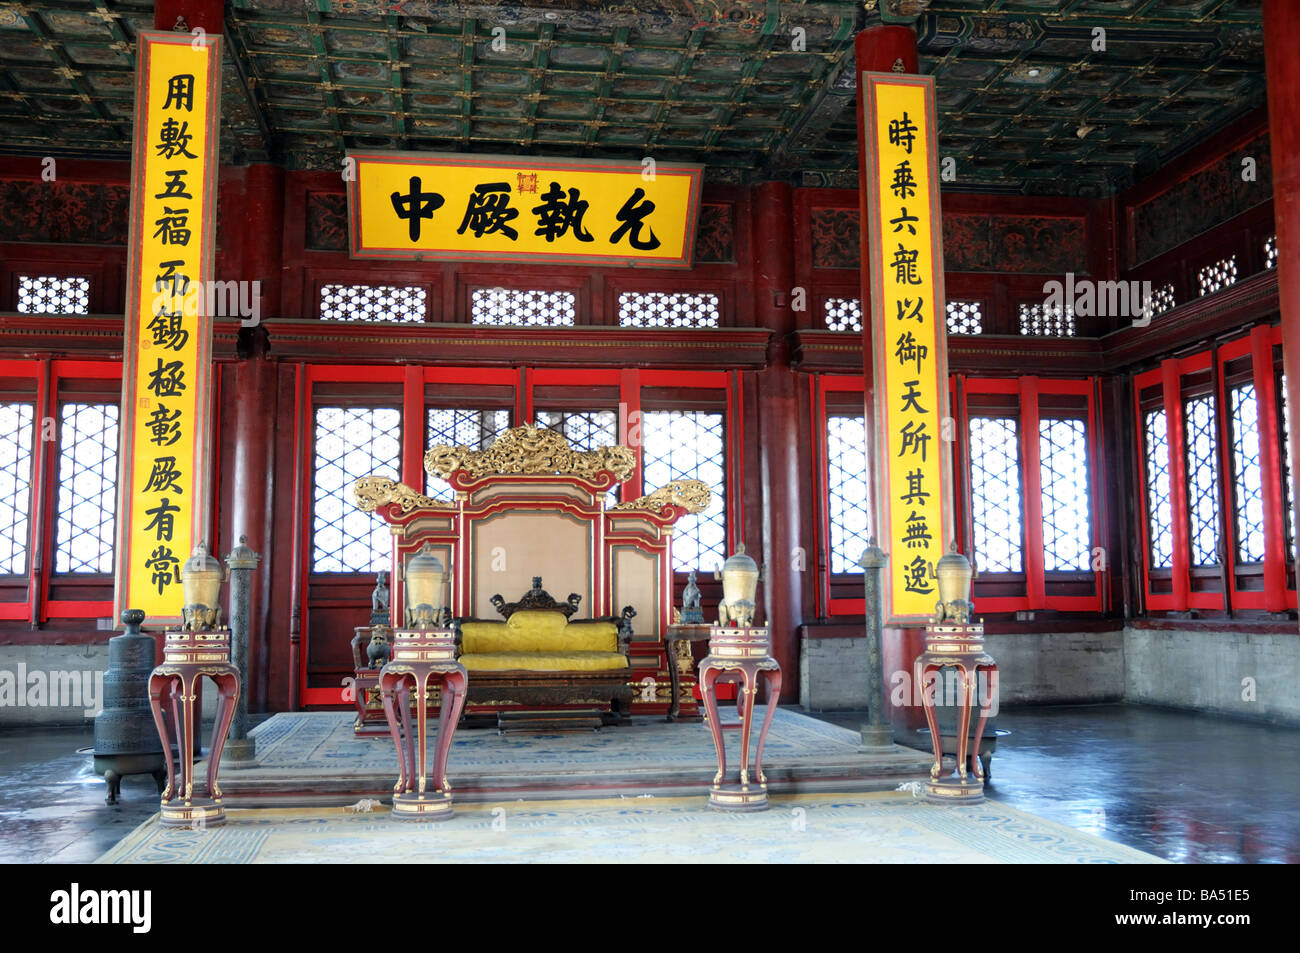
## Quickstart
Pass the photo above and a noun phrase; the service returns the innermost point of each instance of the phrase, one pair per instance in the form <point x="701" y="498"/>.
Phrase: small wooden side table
<point x="187" y="657"/>
<point x="960" y="647"/>
<point x="674" y="638"/>
<point x="744" y="651"/>
<point x="418" y="656"/>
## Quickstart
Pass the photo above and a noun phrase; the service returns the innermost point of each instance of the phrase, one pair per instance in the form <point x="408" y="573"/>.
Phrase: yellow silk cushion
<point x="543" y="661"/>
<point x="484" y="637"/>
<point x="591" y="637"/>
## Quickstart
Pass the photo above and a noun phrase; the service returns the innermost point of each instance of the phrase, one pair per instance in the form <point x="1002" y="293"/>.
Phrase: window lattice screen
<point x="352" y="442"/>
<point x="508" y="307"/>
<point x="15" y="485"/>
<point x="372" y="303"/>
<point x="843" y="314"/>
<point x="84" y="534"/>
<point x="50" y="294"/>
<point x="584" y="429"/>
<point x="1063" y="471"/>
<point x="1162" y="299"/>
<point x="1217" y="276"/>
<point x="1202" y="480"/>
<point x="1047" y="320"/>
<point x="1270" y="252"/>
<point x="965" y="317"/>
<point x="996" y="494"/>
<point x="1160" y="507"/>
<point x="846" y="486"/>
<point x="657" y="309"/>
<point x="460" y="428"/>
<point x="1248" y="476"/>
<point x="690" y="445"/>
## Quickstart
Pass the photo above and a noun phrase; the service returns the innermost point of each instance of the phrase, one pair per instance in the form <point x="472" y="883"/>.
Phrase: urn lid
<point x="740" y="561"/>
<point x="953" y="561"/>
<point x="201" y="563"/>
<point x="424" y="562"/>
<point x="243" y="556"/>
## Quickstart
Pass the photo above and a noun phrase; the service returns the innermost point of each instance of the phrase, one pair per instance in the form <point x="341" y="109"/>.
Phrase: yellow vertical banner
<point x="909" y="338"/>
<point x="164" y="459"/>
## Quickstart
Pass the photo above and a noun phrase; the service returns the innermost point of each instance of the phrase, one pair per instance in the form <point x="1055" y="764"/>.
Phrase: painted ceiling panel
<point x="1028" y="100"/>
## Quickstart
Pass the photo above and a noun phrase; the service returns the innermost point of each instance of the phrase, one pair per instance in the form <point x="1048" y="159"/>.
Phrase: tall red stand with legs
<point x="420" y="658"/>
<point x="960" y="647"/>
<point x="173" y="693"/>
<point x="740" y="653"/>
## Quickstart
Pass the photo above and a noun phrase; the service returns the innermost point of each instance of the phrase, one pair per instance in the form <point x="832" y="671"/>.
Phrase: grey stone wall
<point x="1058" y="667"/>
<point x="37" y="681"/>
<point x="833" y="674"/>
<point x="1208" y="671"/>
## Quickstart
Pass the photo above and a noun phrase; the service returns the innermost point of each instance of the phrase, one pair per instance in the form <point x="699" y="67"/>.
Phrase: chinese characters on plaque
<point x="163" y="486"/>
<point x="457" y="207"/>
<point x="909" y="338"/>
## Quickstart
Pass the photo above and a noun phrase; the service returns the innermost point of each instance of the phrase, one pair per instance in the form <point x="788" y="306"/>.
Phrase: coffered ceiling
<point x="752" y="88"/>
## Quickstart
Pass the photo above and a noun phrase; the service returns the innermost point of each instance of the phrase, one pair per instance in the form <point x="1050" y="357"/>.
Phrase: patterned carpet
<point x="323" y="740"/>
<point x="858" y="828"/>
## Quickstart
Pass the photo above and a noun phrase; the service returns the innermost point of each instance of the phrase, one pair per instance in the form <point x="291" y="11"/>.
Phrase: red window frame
<point x="1027" y="390"/>
<point x="1276" y="594"/>
<point x="50" y="377"/>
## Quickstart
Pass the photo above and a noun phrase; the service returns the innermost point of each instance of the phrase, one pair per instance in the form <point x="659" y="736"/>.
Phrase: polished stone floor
<point x="1185" y="787"/>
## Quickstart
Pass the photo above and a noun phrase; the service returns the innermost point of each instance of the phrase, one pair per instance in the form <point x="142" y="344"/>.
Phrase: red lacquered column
<point x="1282" y="70"/>
<point x="781" y="474"/>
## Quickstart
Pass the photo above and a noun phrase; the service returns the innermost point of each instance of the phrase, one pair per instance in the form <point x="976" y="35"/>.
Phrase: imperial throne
<point x="530" y="506"/>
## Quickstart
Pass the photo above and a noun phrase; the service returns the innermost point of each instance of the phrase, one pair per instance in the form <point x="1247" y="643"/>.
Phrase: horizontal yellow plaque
<point x="452" y="207"/>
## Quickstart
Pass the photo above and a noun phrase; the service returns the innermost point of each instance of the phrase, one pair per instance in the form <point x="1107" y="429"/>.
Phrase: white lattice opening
<point x="658" y="309"/>
<point x="1270" y="252"/>
<point x="50" y="294"/>
<point x="1047" y="320"/>
<point x="372" y="303"/>
<point x="510" y="307"/>
<point x="1217" y="276"/>
<point x="965" y="317"/>
<point x="843" y="314"/>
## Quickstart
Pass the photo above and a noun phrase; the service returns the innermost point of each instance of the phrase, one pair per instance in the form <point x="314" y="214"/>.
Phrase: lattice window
<point x="996" y="493"/>
<point x="846" y="484"/>
<point x="352" y="442"/>
<point x="1160" y="507"/>
<point x="84" y="533"/>
<point x="50" y="294"/>
<point x="1063" y="472"/>
<point x="459" y="427"/>
<point x="508" y="307"/>
<point x="843" y="314"/>
<point x="15" y="485"/>
<point x="965" y="317"/>
<point x="1047" y="320"/>
<point x="584" y="429"/>
<point x="372" y="303"/>
<point x="1202" y="480"/>
<point x="1217" y="276"/>
<point x="690" y="445"/>
<point x="1162" y="299"/>
<point x="1270" y="252"/>
<point x="1248" y="476"/>
<point x="658" y="309"/>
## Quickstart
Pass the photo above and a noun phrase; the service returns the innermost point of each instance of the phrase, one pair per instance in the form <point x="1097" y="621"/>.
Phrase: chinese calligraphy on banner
<point x="456" y="207"/>
<point x="909" y="339"/>
<point x="167" y="355"/>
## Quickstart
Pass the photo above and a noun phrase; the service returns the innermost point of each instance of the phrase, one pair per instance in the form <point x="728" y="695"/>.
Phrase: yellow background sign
<point x="495" y="208"/>
<point x="167" y="364"/>
<point x="909" y="334"/>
